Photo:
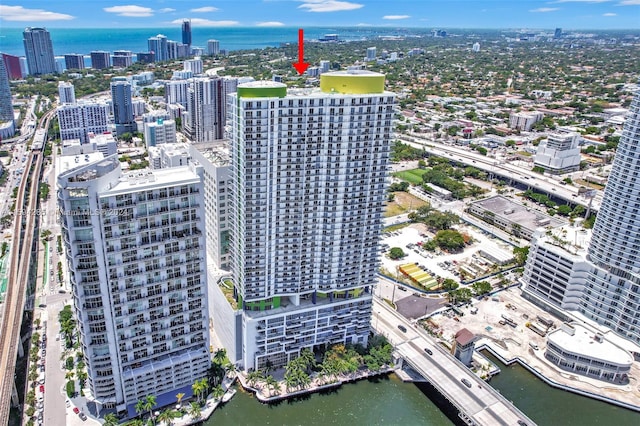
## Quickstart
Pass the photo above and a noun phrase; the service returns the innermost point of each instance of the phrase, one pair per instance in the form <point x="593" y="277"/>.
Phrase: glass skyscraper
<point x="39" y="51"/>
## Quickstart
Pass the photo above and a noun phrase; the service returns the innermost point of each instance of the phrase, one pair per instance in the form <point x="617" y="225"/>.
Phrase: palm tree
<point x="166" y="417"/>
<point x="194" y="411"/>
<point x="272" y="384"/>
<point x="135" y="422"/>
<point x="220" y="355"/>
<point x="218" y="392"/>
<point x="140" y="407"/>
<point x="254" y="377"/>
<point x="149" y="403"/>
<point x="110" y="420"/>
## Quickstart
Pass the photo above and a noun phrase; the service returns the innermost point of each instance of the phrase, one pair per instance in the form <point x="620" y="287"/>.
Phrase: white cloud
<point x="131" y="11"/>
<point x="199" y="22"/>
<point x="544" y="9"/>
<point x="328" y="5"/>
<point x="609" y="14"/>
<point x="166" y="10"/>
<point x="394" y="17"/>
<point x="204" y="9"/>
<point x="19" y="13"/>
<point x="629" y="3"/>
<point x="581" y="1"/>
<point x="270" y="24"/>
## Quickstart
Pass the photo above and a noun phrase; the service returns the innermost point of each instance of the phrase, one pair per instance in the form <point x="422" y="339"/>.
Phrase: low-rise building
<point x="559" y="153"/>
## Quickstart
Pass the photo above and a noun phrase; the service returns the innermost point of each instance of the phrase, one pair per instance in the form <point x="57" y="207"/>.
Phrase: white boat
<point x="228" y="395"/>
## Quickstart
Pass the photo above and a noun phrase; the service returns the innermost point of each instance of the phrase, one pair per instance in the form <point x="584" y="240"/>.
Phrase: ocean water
<point x="84" y="40"/>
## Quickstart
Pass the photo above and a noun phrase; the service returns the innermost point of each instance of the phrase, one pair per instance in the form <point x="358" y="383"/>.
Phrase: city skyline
<point x="574" y="14"/>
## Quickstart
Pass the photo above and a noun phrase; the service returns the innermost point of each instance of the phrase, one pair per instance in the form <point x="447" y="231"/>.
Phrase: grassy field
<point x="588" y="184"/>
<point x="402" y="203"/>
<point x="413" y="176"/>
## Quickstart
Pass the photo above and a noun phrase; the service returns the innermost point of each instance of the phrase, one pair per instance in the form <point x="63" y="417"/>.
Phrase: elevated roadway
<point x="507" y="171"/>
<point x="18" y="277"/>
<point x="477" y="403"/>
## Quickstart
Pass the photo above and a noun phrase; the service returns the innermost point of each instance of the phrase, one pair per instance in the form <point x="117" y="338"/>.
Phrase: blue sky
<point x="568" y="14"/>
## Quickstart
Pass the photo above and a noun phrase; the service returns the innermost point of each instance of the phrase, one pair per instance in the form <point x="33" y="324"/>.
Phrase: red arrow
<point x="301" y="66"/>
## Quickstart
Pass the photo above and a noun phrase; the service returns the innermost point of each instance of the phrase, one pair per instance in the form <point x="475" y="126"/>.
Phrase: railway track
<point x="18" y="277"/>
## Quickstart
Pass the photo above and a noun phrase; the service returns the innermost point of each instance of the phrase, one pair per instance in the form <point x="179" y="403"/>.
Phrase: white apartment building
<point x="77" y="120"/>
<point x="308" y="187"/>
<point x="175" y="92"/>
<point x="135" y="249"/>
<point x="169" y="155"/>
<point x="607" y="288"/>
<point x="67" y="92"/>
<point x="194" y="65"/>
<point x="559" y="153"/>
<point x="160" y="132"/>
<point x="524" y="120"/>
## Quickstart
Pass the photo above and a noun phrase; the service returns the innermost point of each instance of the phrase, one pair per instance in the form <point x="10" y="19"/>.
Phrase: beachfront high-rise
<point x="158" y="45"/>
<point x="135" y="253"/>
<point x="308" y="172"/>
<point x="186" y="32"/>
<point x="39" y="51"/>
<point x="100" y="60"/>
<point x="603" y="283"/>
<point x="74" y="61"/>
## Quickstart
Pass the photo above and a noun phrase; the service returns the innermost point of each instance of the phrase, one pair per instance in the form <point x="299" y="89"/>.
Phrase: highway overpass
<point x="510" y="172"/>
<point x="477" y="403"/>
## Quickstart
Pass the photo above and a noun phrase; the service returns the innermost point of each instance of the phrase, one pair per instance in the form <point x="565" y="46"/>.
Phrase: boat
<point x="228" y="395"/>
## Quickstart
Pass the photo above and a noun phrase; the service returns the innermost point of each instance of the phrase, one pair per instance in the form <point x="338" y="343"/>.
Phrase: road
<point x="526" y="177"/>
<point x="479" y="402"/>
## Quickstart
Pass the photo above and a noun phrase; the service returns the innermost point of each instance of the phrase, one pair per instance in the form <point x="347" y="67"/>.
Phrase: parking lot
<point x="439" y="264"/>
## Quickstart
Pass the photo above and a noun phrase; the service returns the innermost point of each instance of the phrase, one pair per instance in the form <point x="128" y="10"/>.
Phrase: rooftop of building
<point x="517" y="213"/>
<point x="216" y="152"/>
<point x="464" y="337"/>
<point x="579" y="340"/>
<point x="572" y="238"/>
<point x="147" y="179"/>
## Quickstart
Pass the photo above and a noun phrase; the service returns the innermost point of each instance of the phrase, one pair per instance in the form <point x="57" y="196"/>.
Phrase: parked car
<point x="83" y="417"/>
<point x="76" y="410"/>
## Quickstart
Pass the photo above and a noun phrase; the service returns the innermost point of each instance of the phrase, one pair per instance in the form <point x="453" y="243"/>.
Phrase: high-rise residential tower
<point x="186" y="32"/>
<point x="158" y="45"/>
<point x="100" y="60"/>
<point x="78" y="120"/>
<point x="135" y="249"/>
<point x="67" y="92"/>
<point x="207" y="107"/>
<point x="122" y="106"/>
<point x="12" y="65"/>
<point x="6" y="104"/>
<point x="39" y="51"/>
<point x="213" y="47"/>
<point x="122" y="58"/>
<point x="603" y="283"/>
<point x="74" y="61"/>
<point x="308" y="175"/>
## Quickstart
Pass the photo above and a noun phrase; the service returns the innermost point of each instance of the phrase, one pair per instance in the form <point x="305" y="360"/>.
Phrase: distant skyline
<point x="547" y="14"/>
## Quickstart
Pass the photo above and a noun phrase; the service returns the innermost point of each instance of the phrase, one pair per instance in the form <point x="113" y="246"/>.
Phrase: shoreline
<point x="553" y="383"/>
<point x="315" y="387"/>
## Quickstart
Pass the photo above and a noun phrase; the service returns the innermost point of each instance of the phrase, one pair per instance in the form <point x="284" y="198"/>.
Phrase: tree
<point x="449" y="240"/>
<point x="140" y="406"/>
<point x="521" y="254"/>
<point x="110" y="420"/>
<point x="449" y="284"/>
<point x="272" y="384"/>
<point x="195" y="411"/>
<point x="167" y="417"/>
<point x="218" y="392"/>
<point x="396" y="253"/>
<point x="149" y="402"/>
<point x="220" y="356"/>
<point x="481" y="287"/>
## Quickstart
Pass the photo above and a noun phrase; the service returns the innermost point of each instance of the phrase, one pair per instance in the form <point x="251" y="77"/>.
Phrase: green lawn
<point x="413" y="176"/>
